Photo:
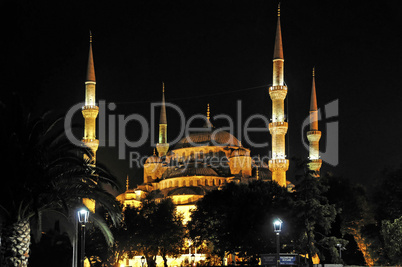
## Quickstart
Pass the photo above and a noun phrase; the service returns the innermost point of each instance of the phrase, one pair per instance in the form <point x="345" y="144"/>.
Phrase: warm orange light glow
<point x="363" y="246"/>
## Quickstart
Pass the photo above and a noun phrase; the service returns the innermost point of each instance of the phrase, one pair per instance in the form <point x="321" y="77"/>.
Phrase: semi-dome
<point x="208" y="138"/>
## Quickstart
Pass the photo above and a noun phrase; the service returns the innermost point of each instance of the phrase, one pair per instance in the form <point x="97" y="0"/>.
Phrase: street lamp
<point x="83" y="215"/>
<point x="340" y="250"/>
<point x="277" y="230"/>
<point x="142" y="261"/>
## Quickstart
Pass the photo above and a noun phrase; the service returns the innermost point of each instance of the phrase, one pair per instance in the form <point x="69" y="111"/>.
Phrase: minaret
<point x="90" y="111"/>
<point x="314" y="134"/>
<point x="278" y="128"/>
<point x="163" y="145"/>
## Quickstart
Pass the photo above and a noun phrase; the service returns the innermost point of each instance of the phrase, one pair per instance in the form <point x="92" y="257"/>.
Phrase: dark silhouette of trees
<point x="46" y="172"/>
<point x="391" y="232"/>
<point x="238" y="218"/>
<point x="351" y="200"/>
<point x="154" y="229"/>
<point x="313" y="218"/>
<point x="53" y="246"/>
<point x="386" y="206"/>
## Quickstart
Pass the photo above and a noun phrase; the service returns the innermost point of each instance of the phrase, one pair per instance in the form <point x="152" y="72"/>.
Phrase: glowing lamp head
<point x="83" y="215"/>
<point x="143" y="260"/>
<point x="277" y="225"/>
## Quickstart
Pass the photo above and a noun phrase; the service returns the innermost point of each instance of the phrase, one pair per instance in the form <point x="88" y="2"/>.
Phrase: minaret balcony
<point x="278" y="164"/>
<point x="90" y="107"/>
<point x="90" y="112"/>
<point x="313" y="136"/>
<point x="314" y="164"/>
<point x="278" y="92"/>
<point x="278" y="127"/>
<point x="91" y="143"/>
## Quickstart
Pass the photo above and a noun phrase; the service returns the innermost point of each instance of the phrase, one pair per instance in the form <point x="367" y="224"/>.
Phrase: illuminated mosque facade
<point x="208" y="159"/>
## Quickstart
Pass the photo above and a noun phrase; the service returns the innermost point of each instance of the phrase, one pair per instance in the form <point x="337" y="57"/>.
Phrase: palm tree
<point x="46" y="173"/>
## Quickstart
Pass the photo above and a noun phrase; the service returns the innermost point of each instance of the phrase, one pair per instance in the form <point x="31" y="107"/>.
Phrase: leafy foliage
<point x="239" y="218"/>
<point x="388" y="196"/>
<point x="392" y="234"/>
<point x="386" y="203"/>
<point x="46" y="171"/>
<point x="351" y="201"/>
<point x="155" y="228"/>
<point x="53" y="246"/>
<point x="313" y="217"/>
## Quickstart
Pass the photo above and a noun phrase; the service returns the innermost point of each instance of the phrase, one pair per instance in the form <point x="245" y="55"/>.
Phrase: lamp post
<point x="83" y="215"/>
<point x="142" y="261"/>
<point x="277" y="230"/>
<point x="340" y="250"/>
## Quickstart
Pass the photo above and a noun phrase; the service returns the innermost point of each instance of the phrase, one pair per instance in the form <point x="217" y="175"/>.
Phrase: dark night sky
<point x="210" y="52"/>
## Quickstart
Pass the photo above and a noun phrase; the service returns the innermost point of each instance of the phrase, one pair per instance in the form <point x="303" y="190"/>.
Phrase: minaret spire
<point x="163" y="145"/>
<point x="162" y="118"/>
<point x="313" y="100"/>
<point x="278" y="128"/>
<point x="278" y="49"/>
<point x="90" y="67"/>
<point x="314" y="134"/>
<point x="90" y="112"/>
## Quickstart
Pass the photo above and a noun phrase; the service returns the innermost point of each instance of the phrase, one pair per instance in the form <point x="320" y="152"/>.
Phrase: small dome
<point x="153" y="159"/>
<point x="208" y="138"/>
<point x="239" y="152"/>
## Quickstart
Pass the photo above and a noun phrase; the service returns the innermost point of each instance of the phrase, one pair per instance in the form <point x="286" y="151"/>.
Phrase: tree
<point x="313" y="218"/>
<point x="387" y="197"/>
<point x="53" y="246"/>
<point x="153" y="229"/>
<point x="392" y="235"/>
<point x="47" y="173"/>
<point x="351" y="201"/>
<point x="386" y="205"/>
<point x="238" y="218"/>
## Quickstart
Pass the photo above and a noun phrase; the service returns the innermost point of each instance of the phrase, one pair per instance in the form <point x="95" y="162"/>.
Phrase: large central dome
<point x="208" y="138"/>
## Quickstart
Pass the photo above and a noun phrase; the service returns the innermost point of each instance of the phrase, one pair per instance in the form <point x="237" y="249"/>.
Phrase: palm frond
<point x="103" y="227"/>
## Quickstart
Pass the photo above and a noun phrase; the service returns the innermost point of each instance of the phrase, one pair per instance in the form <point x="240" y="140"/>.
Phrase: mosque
<point x="208" y="159"/>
